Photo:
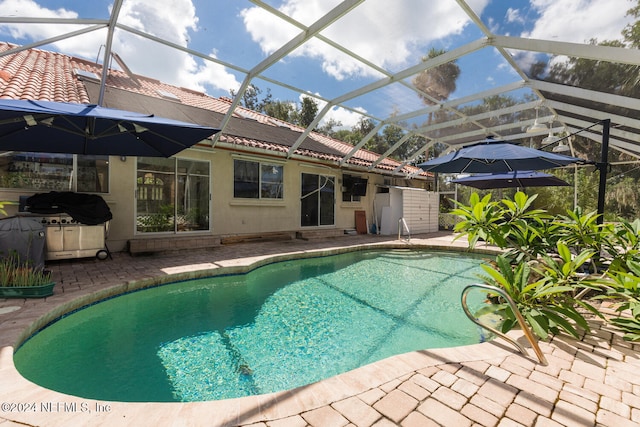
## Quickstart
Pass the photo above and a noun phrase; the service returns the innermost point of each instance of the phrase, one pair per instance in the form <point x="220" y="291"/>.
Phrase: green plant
<point x="623" y="244"/>
<point x="14" y="273"/>
<point x="544" y="294"/>
<point x="623" y="287"/>
<point x="2" y="206"/>
<point x="543" y="275"/>
<point x="510" y="224"/>
<point x="582" y="232"/>
<point x="157" y="221"/>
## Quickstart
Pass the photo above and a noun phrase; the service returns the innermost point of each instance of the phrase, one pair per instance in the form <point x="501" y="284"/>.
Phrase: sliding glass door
<point x="172" y="195"/>
<point x="317" y="200"/>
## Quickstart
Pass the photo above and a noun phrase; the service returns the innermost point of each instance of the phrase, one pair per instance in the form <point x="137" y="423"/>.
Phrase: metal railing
<point x="402" y="224"/>
<point x="527" y="332"/>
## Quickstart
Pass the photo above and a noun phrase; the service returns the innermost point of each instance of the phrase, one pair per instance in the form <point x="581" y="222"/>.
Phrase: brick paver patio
<point x="590" y="382"/>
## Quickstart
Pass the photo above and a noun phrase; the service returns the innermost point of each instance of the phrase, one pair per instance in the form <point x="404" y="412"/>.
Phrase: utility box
<point x="417" y="206"/>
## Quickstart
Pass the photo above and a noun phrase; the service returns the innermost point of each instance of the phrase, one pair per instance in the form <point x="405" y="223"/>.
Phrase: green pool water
<point x="280" y="326"/>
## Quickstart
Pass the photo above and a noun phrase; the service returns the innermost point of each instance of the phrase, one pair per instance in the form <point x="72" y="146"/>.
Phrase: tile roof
<point x="44" y="75"/>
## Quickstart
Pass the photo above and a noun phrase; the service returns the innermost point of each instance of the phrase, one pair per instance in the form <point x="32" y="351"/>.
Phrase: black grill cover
<point x="89" y="209"/>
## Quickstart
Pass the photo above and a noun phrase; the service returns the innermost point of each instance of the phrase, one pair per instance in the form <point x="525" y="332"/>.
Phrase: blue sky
<point x="392" y="35"/>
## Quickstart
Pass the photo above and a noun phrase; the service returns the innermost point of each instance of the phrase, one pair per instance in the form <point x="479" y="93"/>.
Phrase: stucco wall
<point x="229" y="216"/>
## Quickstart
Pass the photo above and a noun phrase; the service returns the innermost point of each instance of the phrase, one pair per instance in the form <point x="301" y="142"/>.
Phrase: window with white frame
<point x="257" y="180"/>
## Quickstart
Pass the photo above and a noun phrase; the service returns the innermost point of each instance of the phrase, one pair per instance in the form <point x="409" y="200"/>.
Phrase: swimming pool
<point x="278" y="327"/>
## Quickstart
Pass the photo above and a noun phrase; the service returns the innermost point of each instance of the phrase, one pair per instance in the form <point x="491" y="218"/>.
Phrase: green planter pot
<point x="40" y="291"/>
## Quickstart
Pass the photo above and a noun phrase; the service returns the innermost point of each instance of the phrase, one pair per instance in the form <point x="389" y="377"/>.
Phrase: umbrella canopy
<point x="491" y="156"/>
<point x="57" y="127"/>
<point x="511" y="179"/>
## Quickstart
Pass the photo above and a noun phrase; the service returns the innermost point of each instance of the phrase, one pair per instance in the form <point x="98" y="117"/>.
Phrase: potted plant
<point x="20" y="280"/>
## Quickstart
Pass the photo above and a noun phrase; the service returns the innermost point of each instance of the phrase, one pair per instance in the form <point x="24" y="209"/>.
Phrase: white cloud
<point x="513" y="15"/>
<point x="575" y="21"/>
<point x="86" y="46"/>
<point x="163" y="62"/>
<point x="579" y="20"/>
<point x="142" y="56"/>
<point x="347" y="118"/>
<point x="386" y="36"/>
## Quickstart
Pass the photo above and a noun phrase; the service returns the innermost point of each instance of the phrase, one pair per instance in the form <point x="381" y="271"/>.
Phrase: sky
<point x="386" y="35"/>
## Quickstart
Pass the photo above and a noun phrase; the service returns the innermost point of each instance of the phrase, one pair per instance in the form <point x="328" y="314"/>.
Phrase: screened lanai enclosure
<point x="416" y="79"/>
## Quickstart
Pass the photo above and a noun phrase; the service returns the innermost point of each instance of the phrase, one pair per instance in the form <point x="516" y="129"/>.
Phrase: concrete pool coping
<point x="463" y="382"/>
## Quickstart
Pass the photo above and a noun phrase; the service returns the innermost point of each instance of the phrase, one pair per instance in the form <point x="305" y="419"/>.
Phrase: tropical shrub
<point x="544" y="292"/>
<point x="623" y="244"/>
<point x="583" y="232"/>
<point x="551" y="261"/>
<point x="623" y="287"/>
<point x="510" y="224"/>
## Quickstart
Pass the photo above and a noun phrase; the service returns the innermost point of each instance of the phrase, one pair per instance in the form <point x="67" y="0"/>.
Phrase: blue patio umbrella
<point x="57" y="127"/>
<point x="491" y="156"/>
<point x="485" y="181"/>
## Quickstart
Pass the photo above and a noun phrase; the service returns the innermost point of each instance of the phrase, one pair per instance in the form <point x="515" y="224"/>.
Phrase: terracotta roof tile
<point x="44" y="75"/>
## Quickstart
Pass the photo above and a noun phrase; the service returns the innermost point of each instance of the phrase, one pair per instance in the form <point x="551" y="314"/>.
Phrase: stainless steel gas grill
<point x="67" y="238"/>
<point x="76" y="225"/>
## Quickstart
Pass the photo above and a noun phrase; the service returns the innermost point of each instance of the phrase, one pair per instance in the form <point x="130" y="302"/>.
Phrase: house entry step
<point x="173" y="243"/>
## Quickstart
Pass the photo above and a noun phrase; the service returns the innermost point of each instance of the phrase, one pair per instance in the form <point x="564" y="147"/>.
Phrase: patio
<point x="587" y="382"/>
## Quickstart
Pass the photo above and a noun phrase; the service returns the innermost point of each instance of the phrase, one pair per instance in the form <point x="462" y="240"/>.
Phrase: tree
<point x="437" y="82"/>
<point x="391" y="134"/>
<point x="250" y="98"/>
<point x="280" y="110"/>
<point x="307" y="112"/>
<point x="364" y="126"/>
<point x="327" y="128"/>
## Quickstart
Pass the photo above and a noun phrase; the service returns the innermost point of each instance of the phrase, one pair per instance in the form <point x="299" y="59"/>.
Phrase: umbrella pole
<point x="575" y="187"/>
<point x="602" y="168"/>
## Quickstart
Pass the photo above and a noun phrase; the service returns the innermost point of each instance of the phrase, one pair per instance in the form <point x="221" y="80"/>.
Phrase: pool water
<point x="280" y="326"/>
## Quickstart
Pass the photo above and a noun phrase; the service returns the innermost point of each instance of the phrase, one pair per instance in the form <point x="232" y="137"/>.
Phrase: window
<point x="257" y="180"/>
<point x="172" y="195"/>
<point x="353" y="188"/>
<point x="54" y="172"/>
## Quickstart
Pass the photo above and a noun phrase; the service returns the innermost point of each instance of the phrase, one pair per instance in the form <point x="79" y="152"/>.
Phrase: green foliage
<point x="510" y="224"/>
<point x="623" y="286"/>
<point x="544" y="294"/>
<point x="582" y="232"/>
<point x="157" y="221"/>
<point x="16" y="273"/>
<point x="280" y="110"/>
<point x="307" y="113"/>
<point x="543" y="268"/>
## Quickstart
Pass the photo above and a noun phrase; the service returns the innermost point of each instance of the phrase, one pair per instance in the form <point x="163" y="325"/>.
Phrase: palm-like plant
<point x="540" y="272"/>
<point x="544" y="294"/>
<point x="509" y="224"/>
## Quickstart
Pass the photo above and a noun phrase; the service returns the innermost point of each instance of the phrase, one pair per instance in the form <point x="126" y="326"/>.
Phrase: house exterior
<point x="259" y="178"/>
